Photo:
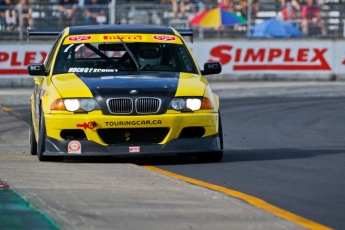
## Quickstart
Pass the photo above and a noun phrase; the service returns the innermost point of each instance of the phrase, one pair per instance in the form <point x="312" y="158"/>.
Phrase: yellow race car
<point x="121" y="90"/>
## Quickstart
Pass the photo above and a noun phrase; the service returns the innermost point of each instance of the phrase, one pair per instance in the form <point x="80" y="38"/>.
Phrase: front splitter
<point x="54" y="147"/>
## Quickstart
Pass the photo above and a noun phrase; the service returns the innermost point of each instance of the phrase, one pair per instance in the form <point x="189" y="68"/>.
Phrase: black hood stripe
<point x="142" y="81"/>
<point x="160" y="85"/>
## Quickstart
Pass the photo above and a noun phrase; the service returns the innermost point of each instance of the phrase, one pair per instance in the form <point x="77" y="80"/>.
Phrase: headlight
<point x="185" y="104"/>
<point x="72" y="105"/>
<point x="190" y="104"/>
<point x="178" y="103"/>
<point x="87" y="104"/>
<point x="193" y="104"/>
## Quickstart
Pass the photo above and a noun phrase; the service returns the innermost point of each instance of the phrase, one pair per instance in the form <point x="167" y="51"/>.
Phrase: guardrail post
<point x="112" y="12"/>
<point x="249" y="18"/>
<point x="20" y="29"/>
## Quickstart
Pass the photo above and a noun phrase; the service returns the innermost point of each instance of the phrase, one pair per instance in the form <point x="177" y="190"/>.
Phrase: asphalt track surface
<point x="284" y="144"/>
<point x="288" y="152"/>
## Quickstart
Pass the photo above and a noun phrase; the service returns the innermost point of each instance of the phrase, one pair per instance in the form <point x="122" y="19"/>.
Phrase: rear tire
<point x="213" y="156"/>
<point x="32" y="139"/>
<point x="41" y="143"/>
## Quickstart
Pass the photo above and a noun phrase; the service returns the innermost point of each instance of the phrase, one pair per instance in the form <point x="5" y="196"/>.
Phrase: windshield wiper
<point x="130" y="53"/>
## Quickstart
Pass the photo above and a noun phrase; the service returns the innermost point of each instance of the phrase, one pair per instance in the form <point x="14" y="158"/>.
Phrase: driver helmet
<point x="150" y="54"/>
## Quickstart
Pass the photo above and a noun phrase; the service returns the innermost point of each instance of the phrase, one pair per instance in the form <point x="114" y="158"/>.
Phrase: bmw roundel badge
<point x="133" y="91"/>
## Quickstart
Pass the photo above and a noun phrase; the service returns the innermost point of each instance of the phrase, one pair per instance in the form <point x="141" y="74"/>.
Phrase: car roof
<point x="120" y="28"/>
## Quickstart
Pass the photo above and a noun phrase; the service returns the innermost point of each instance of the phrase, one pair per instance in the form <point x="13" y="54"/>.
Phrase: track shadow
<point x="229" y="156"/>
<point x="138" y="160"/>
<point x="279" y="154"/>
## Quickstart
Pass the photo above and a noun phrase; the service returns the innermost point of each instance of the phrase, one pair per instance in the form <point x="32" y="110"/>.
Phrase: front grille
<point x="146" y="105"/>
<point x="143" y="105"/>
<point x="134" y="136"/>
<point x="120" y="105"/>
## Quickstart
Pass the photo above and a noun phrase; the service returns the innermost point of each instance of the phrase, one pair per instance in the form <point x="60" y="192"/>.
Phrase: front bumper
<point x="179" y="146"/>
<point x="56" y="123"/>
<point x="172" y="141"/>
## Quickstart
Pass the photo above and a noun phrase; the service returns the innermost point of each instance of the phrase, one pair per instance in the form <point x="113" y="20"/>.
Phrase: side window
<point x="185" y="60"/>
<point x="49" y="58"/>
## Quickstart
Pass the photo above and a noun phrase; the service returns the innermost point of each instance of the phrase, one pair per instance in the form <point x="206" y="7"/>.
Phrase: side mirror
<point x="212" y="68"/>
<point x="36" y="69"/>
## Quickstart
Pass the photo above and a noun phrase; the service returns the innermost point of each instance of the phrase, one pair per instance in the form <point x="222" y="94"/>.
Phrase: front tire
<point x="41" y="143"/>
<point x="32" y="139"/>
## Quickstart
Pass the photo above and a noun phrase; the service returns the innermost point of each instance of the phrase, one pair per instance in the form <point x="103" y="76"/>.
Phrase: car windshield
<point x="123" y="56"/>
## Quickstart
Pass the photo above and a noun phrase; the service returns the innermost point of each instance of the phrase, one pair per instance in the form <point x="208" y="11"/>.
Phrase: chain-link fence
<point x="48" y="17"/>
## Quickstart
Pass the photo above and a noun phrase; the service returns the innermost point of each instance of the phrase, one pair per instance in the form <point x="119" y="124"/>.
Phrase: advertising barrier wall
<point x="267" y="59"/>
<point x="241" y="59"/>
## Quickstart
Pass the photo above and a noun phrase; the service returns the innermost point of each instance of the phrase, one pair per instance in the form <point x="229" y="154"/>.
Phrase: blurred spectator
<point x="2" y="15"/>
<point x="226" y="5"/>
<point x="291" y="11"/>
<point x="8" y="15"/>
<point x="95" y="12"/>
<point x="67" y="15"/>
<point x="178" y="5"/>
<point x="197" y="5"/>
<point x="194" y="6"/>
<point x="24" y="10"/>
<point x="282" y="3"/>
<point x="311" y="19"/>
<point x="244" y="8"/>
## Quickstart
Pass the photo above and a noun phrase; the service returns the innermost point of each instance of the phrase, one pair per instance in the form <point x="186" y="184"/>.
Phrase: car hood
<point x="132" y="85"/>
<point x="143" y="85"/>
<point x="164" y="86"/>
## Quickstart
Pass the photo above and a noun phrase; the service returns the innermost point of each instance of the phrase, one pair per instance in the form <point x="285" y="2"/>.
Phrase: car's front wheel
<point x="42" y="142"/>
<point x="32" y="139"/>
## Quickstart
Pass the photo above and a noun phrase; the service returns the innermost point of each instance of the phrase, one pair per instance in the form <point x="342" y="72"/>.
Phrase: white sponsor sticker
<point x="134" y="149"/>
<point x="74" y="147"/>
<point x="90" y="70"/>
<point x="164" y="38"/>
<point x="80" y="38"/>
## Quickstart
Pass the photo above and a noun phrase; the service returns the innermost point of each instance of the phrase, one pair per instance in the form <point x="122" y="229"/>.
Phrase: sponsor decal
<point x="124" y="37"/>
<point x="90" y="70"/>
<point x="246" y="59"/>
<point x="213" y="65"/>
<point x="74" y="147"/>
<point x="79" y="38"/>
<point x="91" y="125"/>
<point x="134" y="149"/>
<point x="164" y="38"/>
<point x="135" y="123"/>
<point x="35" y="67"/>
